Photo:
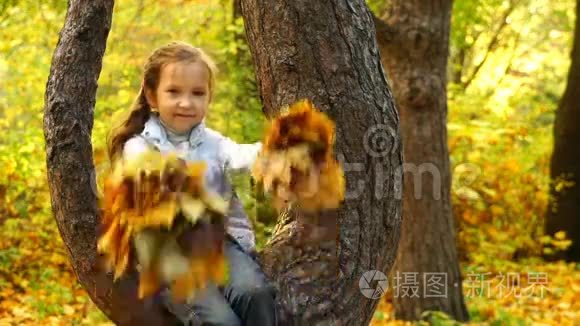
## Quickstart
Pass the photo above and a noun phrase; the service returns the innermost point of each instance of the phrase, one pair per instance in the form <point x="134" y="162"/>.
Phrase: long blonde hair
<point x="139" y="113"/>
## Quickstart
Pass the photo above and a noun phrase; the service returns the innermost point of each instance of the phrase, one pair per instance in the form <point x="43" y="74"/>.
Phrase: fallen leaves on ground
<point x="538" y="293"/>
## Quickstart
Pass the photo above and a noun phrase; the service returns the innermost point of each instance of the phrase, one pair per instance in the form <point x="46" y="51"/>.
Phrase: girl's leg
<point x="250" y="299"/>
<point x="248" y="291"/>
<point x="210" y="308"/>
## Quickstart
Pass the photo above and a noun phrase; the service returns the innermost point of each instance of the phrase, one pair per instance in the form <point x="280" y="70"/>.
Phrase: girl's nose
<point x="185" y="102"/>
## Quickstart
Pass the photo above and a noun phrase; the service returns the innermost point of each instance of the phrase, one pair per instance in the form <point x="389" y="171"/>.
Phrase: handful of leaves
<point x="297" y="164"/>
<point x="156" y="209"/>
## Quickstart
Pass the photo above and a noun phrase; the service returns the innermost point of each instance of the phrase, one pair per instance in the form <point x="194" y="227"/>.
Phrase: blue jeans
<point x="247" y="299"/>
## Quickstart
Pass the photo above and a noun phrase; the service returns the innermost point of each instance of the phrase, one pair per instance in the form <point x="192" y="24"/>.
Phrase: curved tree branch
<point x="327" y="51"/>
<point x="68" y="121"/>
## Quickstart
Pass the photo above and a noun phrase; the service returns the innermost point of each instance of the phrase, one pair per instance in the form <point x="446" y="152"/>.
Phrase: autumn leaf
<point x="149" y="202"/>
<point x="296" y="164"/>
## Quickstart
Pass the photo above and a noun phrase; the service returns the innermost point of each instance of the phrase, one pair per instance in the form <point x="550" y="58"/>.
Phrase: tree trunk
<point x="565" y="165"/>
<point x="321" y="50"/>
<point x="68" y="122"/>
<point x="326" y="51"/>
<point x="414" y="46"/>
<point x="237" y="8"/>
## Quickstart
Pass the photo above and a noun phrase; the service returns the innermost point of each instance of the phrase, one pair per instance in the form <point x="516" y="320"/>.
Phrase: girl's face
<point x="183" y="95"/>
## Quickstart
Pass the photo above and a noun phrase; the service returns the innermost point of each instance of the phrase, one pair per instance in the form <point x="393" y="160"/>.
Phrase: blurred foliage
<point x="509" y="62"/>
<point x="507" y="69"/>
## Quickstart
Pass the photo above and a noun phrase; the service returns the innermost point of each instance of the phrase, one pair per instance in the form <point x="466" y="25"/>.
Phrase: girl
<point x="177" y="88"/>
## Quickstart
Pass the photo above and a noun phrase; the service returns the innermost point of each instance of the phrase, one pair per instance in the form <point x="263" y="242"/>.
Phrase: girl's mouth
<point x="179" y="115"/>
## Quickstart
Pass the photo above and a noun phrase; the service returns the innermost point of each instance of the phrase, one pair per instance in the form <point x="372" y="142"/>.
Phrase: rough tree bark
<point x="326" y="51"/>
<point x="323" y="50"/>
<point x="68" y="121"/>
<point x="414" y="44"/>
<point x="565" y="164"/>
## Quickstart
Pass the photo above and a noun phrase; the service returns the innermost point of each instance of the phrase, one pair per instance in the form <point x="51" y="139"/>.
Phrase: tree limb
<point x="492" y="44"/>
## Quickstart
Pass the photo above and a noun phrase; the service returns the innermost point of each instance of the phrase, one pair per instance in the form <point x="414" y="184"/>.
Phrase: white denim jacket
<point x="221" y="155"/>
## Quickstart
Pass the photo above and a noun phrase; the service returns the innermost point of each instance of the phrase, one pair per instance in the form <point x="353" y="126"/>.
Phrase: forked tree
<point x="322" y="50"/>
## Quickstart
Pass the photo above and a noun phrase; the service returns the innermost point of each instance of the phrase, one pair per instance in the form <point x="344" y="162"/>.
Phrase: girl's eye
<point x="198" y="93"/>
<point x="172" y="91"/>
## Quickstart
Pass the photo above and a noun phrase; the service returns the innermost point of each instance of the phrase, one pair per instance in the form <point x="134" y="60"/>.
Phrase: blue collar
<point x="154" y="131"/>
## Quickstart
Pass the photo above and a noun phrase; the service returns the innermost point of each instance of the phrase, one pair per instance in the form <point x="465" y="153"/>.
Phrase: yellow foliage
<point x="560" y="235"/>
<point x="296" y="163"/>
<point x="152" y="201"/>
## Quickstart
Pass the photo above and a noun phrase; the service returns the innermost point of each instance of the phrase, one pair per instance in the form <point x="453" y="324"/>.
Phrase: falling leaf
<point x="148" y="202"/>
<point x="297" y="163"/>
<point x="147" y="244"/>
<point x="192" y="208"/>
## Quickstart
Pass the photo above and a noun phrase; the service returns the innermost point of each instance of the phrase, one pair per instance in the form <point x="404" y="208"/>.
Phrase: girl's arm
<point x="239" y="157"/>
